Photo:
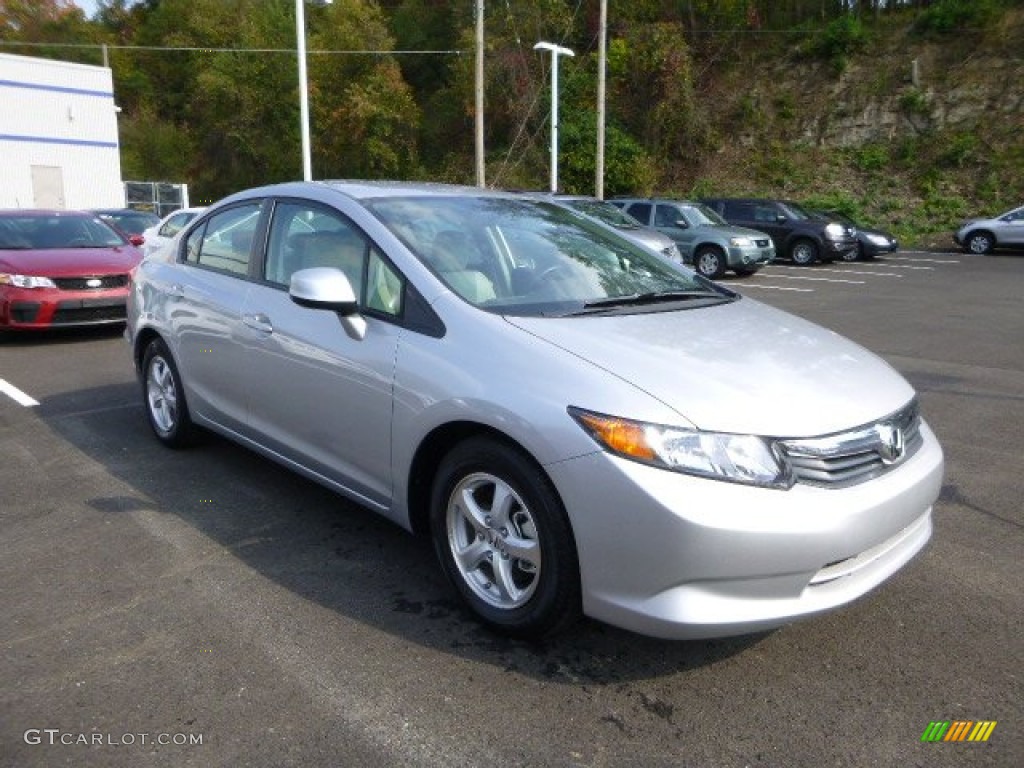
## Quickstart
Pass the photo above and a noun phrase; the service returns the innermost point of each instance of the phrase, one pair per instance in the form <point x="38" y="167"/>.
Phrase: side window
<point x="766" y="213"/>
<point x="225" y="241"/>
<point x="384" y="286"/>
<point x="666" y="216"/>
<point x="304" y="235"/>
<point x="173" y="225"/>
<point x="741" y="211"/>
<point x="641" y="212"/>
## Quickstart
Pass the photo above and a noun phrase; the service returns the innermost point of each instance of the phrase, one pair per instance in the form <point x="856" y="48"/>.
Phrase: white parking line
<point x="16" y="394"/>
<point x="915" y="258"/>
<point x="776" y="288"/>
<point x="817" y="279"/>
<point x="844" y="271"/>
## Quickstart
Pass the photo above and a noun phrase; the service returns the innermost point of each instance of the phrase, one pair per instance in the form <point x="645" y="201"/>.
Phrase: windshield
<point x="797" y="211"/>
<point x="34" y="231"/>
<point x="699" y="214"/>
<point x="132" y="223"/>
<point x="605" y="213"/>
<point x="530" y="257"/>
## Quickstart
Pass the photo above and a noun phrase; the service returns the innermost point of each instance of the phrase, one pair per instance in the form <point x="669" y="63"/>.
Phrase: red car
<point x="61" y="269"/>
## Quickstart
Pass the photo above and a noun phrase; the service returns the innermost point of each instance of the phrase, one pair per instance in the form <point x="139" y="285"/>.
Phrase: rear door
<point x="206" y="313"/>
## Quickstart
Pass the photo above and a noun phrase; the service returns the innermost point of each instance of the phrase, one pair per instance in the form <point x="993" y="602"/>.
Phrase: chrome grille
<point x="848" y="458"/>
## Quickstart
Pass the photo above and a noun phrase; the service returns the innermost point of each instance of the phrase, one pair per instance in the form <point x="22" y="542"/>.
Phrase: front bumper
<point x="750" y="257"/>
<point x="38" y="309"/>
<point x="675" y="556"/>
<point x="839" y="246"/>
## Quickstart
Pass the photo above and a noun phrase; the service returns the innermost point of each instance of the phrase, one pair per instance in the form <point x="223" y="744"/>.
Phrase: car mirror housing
<point x="328" y="288"/>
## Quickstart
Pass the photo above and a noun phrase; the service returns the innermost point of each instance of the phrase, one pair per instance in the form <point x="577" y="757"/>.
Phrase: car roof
<point x="22" y="212"/>
<point x="368" y="189"/>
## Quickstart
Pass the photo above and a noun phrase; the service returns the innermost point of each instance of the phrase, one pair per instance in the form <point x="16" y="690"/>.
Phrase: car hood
<point x="740" y="367"/>
<point x="652" y="238"/>
<point x="68" y="262"/>
<point x="731" y="230"/>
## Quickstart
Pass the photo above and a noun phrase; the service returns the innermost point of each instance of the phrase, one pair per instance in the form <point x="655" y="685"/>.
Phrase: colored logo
<point x="958" y="730"/>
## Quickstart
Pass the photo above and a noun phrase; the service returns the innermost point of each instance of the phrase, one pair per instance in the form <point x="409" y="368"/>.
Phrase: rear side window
<point x="224" y="241"/>
<point x="734" y="210"/>
<point x="640" y="211"/>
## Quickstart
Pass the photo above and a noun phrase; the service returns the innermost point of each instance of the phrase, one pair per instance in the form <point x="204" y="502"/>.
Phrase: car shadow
<point x="327" y="549"/>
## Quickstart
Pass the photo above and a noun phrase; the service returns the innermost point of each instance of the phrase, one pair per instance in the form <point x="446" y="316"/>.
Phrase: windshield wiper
<point x="650" y="297"/>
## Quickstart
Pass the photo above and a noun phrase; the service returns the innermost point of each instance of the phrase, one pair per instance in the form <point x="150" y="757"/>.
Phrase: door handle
<point x="258" y="322"/>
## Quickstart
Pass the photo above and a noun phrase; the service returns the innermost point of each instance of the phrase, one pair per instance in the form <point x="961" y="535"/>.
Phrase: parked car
<point x="578" y="425"/>
<point x="705" y="239"/>
<point x="985" y="235"/>
<point x="610" y="215"/>
<point x="130" y="221"/>
<point x="62" y="268"/>
<point x="871" y="243"/>
<point x="166" y="228"/>
<point x="799" y="234"/>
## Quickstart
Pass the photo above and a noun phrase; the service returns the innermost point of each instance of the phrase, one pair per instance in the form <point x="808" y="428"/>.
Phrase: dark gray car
<point x="707" y="242"/>
<point x="799" y="234"/>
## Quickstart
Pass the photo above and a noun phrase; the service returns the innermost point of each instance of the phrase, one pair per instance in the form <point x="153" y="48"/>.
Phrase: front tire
<point x="504" y="540"/>
<point x="979" y="243"/>
<point x="710" y="262"/>
<point x="854" y="254"/>
<point x="164" y="397"/>
<point x="804" y="252"/>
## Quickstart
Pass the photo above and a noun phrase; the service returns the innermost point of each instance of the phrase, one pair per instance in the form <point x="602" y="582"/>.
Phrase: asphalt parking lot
<point x="208" y="608"/>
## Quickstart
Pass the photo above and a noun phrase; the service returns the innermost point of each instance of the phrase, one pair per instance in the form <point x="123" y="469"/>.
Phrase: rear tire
<point x="504" y="539"/>
<point x="164" y="397"/>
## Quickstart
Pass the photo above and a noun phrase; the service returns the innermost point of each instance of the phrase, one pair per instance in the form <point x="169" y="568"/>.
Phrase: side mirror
<point x="681" y="223"/>
<point x="780" y="218"/>
<point x="328" y="288"/>
<point x="136" y="240"/>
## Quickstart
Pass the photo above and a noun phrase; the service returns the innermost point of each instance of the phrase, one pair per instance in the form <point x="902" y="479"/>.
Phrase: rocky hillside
<point x="902" y="132"/>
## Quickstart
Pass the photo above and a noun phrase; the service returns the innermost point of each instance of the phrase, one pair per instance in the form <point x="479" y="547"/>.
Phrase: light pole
<point x="556" y="51"/>
<point x="300" y="39"/>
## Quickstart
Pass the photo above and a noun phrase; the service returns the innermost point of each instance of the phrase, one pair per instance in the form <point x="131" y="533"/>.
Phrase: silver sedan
<point x="579" y="425"/>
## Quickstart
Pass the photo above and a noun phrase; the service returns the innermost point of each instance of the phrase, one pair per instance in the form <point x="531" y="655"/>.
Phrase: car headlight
<point x="747" y="459"/>
<point x="834" y="231"/>
<point x="878" y="239"/>
<point x="741" y="242"/>
<point x="26" y="281"/>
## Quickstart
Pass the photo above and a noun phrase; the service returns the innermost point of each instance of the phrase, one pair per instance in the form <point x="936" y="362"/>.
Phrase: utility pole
<point x="556" y="51"/>
<point x="479" y="93"/>
<point x="602" y="56"/>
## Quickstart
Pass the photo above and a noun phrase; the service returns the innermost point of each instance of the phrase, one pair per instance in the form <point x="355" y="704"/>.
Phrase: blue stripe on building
<point x="48" y="140"/>
<point x="56" y="88"/>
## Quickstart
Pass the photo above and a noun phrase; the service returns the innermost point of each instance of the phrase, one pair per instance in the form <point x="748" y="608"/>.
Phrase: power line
<point x="197" y="49"/>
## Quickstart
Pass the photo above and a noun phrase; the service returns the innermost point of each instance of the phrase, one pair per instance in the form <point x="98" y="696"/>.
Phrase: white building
<point x="58" y="135"/>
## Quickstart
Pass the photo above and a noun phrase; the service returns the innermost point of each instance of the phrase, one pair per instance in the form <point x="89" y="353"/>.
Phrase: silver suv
<point x="611" y="216"/>
<point x="984" y="235"/>
<point x="707" y="242"/>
